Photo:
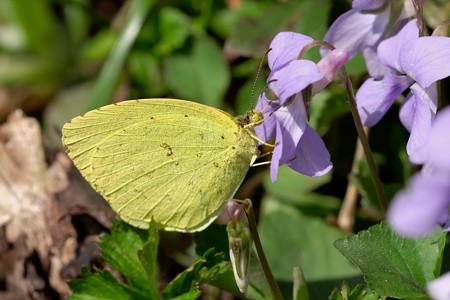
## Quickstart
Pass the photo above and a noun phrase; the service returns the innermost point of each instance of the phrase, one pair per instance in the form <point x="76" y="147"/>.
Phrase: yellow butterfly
<point x="172" y="161"/>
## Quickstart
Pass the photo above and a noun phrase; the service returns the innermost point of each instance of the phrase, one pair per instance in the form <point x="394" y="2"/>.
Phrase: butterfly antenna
<point x="257" y="75"/>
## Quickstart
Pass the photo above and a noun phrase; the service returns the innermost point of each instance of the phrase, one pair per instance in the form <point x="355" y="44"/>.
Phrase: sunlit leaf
<point x="394" y="266"/>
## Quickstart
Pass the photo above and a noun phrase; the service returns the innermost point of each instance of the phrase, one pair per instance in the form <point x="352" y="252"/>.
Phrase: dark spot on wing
<point x="168" y="148"/>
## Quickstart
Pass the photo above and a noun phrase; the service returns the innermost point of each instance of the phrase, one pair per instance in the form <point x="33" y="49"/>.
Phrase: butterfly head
<point x="251" y="119"/>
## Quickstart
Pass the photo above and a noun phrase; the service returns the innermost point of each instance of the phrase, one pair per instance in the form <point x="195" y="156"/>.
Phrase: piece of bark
<point x="29" y="217"/>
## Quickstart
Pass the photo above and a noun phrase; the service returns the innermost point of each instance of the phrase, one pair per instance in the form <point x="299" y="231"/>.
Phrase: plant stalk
<point x="363" y="139"/>
<point x="259" y="249"/>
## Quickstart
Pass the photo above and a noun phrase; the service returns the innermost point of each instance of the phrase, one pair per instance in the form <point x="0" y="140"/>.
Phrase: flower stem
<point x="346" y="217"/>
<point x="363" y="139"/>
<point x="262" y="257"/>
<point x="419" y="16"/>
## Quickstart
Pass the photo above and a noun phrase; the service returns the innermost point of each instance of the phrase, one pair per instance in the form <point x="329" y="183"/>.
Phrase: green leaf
<point x="392" y="265"/>
<point x="148" y="258"/>
<point x="358" y="293"/>
<point x="96" y="49"/>
<point x="130" y="251"/>
<point x="252" y="36"/>
<point x="204" y="270"/>
<point x="146" y="73"/>
<point x="120" y="249"/>
<point x="174" y="30"/>
<point x="109" y="75"/>
<point x="193" y="294"/>
<point x="291" y="183"/>
<point x="326" y="106"/>
<point x="201" y="74"/>
<point x="78" y="21"/>
<point x="100" y="286"/>
<point x="365" y="186"/>
<point x="38" y="26"/>
<point x="224" y="21"/>
<point x="24" y="70"/>
<point x="303" y="241"/>
<point x="313" y="19"/>
<point x="297" y="189"/>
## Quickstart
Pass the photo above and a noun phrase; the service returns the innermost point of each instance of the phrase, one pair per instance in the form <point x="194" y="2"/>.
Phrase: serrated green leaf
<point x="204" y="270"/>
<point x="201" y="74"/>
<point x="101" y="286"/>
<point x="392" y="265"/>
<point x="120" y="250"/>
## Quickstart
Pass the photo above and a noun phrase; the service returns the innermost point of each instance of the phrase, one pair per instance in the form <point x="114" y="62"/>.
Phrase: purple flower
<point x="439" y="289"/>
<point x="297" y="144"/>
<point x="363" y="27"/>
<point x="425" y="203"/>
<point x="411" y="62"/>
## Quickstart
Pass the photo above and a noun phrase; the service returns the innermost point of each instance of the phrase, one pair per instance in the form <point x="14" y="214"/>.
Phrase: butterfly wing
<point x="173" y="161"/>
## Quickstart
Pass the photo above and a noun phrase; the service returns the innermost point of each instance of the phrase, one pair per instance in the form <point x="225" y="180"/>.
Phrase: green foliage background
<point x="63" y="58"/>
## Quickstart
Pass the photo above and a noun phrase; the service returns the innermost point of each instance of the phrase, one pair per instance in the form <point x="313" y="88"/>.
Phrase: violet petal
<point x="329" y="66"/>
<point x="439" y="289"/>
<point x="367" y="4"/>
<point x="426" y="59"/>
<point x="417" y="211"/>
<point x="421" y="127"/>
<point x="285" y="47"/>
<point x="293" y="78"/>
<point x="352" y="31"/>
<point x="375" y="97"/>
<point x="311" y="155"/>
<point x="390" y="50"/>
<point x="406" y="113"/>
<point x="266" y="130"/>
